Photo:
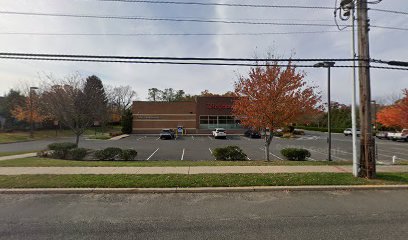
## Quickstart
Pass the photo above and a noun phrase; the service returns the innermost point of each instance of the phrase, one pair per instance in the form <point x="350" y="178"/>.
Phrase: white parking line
<point x="395" y="153"/>
<point x="157" y="138"/>
<point x="152" y="154"/>
<point x="210" y="150"/>
<point x="210" y="138"/>
<point x="141" y="138"/>
<point x="248" y="158"/>
<point x="333" y="156"/>
<point x="400" y="149"/>
<point x="276" y="156"/>
<point x="182" y="155"/>
<point x="385" y="155"/>
<point x="192" y="137"/>
<point x="262" y="149"/>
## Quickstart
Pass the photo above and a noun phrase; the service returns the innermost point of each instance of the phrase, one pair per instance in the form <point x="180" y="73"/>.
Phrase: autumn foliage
<point x="272" y="97"/>
<point x="395" y="115"/>
<point x="31" y="105"/>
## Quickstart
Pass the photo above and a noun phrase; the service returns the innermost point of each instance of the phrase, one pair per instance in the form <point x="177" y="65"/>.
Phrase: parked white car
<point x="401" y="136"/>
<point x="219" y="133"/>
<point x="349" y="132"/>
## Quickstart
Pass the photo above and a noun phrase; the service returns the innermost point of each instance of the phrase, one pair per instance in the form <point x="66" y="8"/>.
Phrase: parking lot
<point x="201" y="147"/>
<point x="196" y="148"/>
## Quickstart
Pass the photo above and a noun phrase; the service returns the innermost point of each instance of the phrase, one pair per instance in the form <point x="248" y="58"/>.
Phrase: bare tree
<point x="154" y="94"/>
<point x="122" y="97"/>
<point x="65" y="99"/>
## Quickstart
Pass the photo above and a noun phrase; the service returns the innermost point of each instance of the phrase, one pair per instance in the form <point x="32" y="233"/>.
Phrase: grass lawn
<point x="99" y="136"/>
<point x="43" y="134"/>
<point x="47" y="162"/>
<point x="205" y="180"/>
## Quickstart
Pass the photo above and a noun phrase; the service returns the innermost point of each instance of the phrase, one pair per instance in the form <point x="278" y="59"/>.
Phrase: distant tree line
<point x="172" y="95"/>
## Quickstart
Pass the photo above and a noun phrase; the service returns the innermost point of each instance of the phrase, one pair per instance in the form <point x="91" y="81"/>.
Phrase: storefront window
<point x="211" y="122"/>
<point x="203" y="119"/>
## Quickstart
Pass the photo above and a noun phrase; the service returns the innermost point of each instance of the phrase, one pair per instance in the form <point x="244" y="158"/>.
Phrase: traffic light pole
<point x="367" y="145"/>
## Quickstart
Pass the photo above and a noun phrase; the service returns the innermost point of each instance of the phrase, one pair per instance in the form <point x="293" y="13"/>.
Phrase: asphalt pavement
<point x="258" y="215"/>
<point x="195" y="148"/>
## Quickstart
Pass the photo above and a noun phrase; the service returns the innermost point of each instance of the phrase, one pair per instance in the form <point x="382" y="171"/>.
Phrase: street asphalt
<point x="370" y="215"/>
<point x="150" y="147"/>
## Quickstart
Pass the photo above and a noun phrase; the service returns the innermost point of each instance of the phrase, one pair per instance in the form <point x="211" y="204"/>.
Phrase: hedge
<point x="295" y="154"/>
<point x="230" y="153"/>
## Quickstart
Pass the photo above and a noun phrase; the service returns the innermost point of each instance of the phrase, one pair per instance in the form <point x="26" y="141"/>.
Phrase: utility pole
<point x="367" y="145"/>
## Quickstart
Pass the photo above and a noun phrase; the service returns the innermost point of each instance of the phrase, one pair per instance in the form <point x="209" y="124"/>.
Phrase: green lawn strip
<point x="43" y="134"/>
<point x="202" y="180"/>
<point x="12" y="137"/>
<point x="47" y="162"/>
<point x="99" y="136"/>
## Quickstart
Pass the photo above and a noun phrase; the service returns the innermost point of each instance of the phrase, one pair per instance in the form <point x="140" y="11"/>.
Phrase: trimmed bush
<point x="108" y="154"/>
<point x="295" y="154"/>
<point x="60" y="150"/>
<point x="127" y="121"/>
<point x="77" y="153"/>
<point x="230" y="153"/>
<point x="127" y="155"/>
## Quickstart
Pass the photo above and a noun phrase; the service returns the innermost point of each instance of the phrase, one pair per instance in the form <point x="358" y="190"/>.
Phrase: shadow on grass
<point x="393" y="177"/>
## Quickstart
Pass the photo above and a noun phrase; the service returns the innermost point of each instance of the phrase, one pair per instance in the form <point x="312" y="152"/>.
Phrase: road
<point x="200" y="147"/>
<point x="267" y="215"/>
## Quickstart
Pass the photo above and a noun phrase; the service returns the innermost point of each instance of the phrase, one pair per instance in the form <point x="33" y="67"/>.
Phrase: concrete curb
<point x="200" y="190"/>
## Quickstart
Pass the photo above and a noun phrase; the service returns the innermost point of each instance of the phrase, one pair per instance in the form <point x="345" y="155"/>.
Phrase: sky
<point x="385" y="44"/>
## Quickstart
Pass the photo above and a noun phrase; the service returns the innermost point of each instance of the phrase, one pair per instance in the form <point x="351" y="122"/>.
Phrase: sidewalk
<point x="26" y="155"/>
<point x="189" y="170"/>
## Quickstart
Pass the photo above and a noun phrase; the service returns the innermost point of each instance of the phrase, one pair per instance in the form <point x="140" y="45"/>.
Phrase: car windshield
<point x="220" y="130"/>
<point x="166" y="130"/>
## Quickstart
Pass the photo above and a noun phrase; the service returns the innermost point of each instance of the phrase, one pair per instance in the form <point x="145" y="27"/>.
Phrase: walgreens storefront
<point x="216" y="112"/>
<point x="199" y="116"/>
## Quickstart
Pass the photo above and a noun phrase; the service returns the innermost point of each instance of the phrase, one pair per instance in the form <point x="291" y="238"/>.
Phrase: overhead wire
<point x="167" y="34"/>
<point x="188" y="63"/>
<point x="165" y="19"/>
<point x="219" y="4"/>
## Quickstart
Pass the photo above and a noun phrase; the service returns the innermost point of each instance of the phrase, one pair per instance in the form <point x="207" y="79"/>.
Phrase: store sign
<point x="219" y="107"/>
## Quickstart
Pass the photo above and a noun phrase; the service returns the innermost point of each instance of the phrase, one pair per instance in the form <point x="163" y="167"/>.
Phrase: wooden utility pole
<point x="367" y="143"/>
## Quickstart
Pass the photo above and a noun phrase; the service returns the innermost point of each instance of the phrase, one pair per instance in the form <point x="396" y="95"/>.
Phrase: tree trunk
<point x="268" y="140"/>
<point x="77" y="139"/>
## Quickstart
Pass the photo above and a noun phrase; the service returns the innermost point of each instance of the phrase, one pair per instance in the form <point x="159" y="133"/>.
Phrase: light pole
<point x="31" y="111"/>
<point x="327" y="65"/>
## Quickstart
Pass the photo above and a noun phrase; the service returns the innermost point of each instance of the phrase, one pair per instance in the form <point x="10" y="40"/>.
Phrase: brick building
<point x="199" y="116"/>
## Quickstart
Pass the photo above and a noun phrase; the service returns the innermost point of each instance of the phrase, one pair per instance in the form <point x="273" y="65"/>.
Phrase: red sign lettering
<point x="219" y="107"/>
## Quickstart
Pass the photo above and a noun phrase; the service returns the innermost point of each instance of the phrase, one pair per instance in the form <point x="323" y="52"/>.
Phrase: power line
<point x="167" y="34"/>
<point x="388" y="11"/>
<point x="187" y="63"/>
<point x="219" y="4"/>
<point x="196" y="20"/>
<point x="165" y="19"/>
<point x="73" y="56"/>
<point x="390" y="28"/>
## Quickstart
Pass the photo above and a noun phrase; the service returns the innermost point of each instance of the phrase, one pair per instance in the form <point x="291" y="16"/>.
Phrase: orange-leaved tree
<point x="30" y="108"/>
<point x="272" y="97"/>
<point x="395" y="115"/>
